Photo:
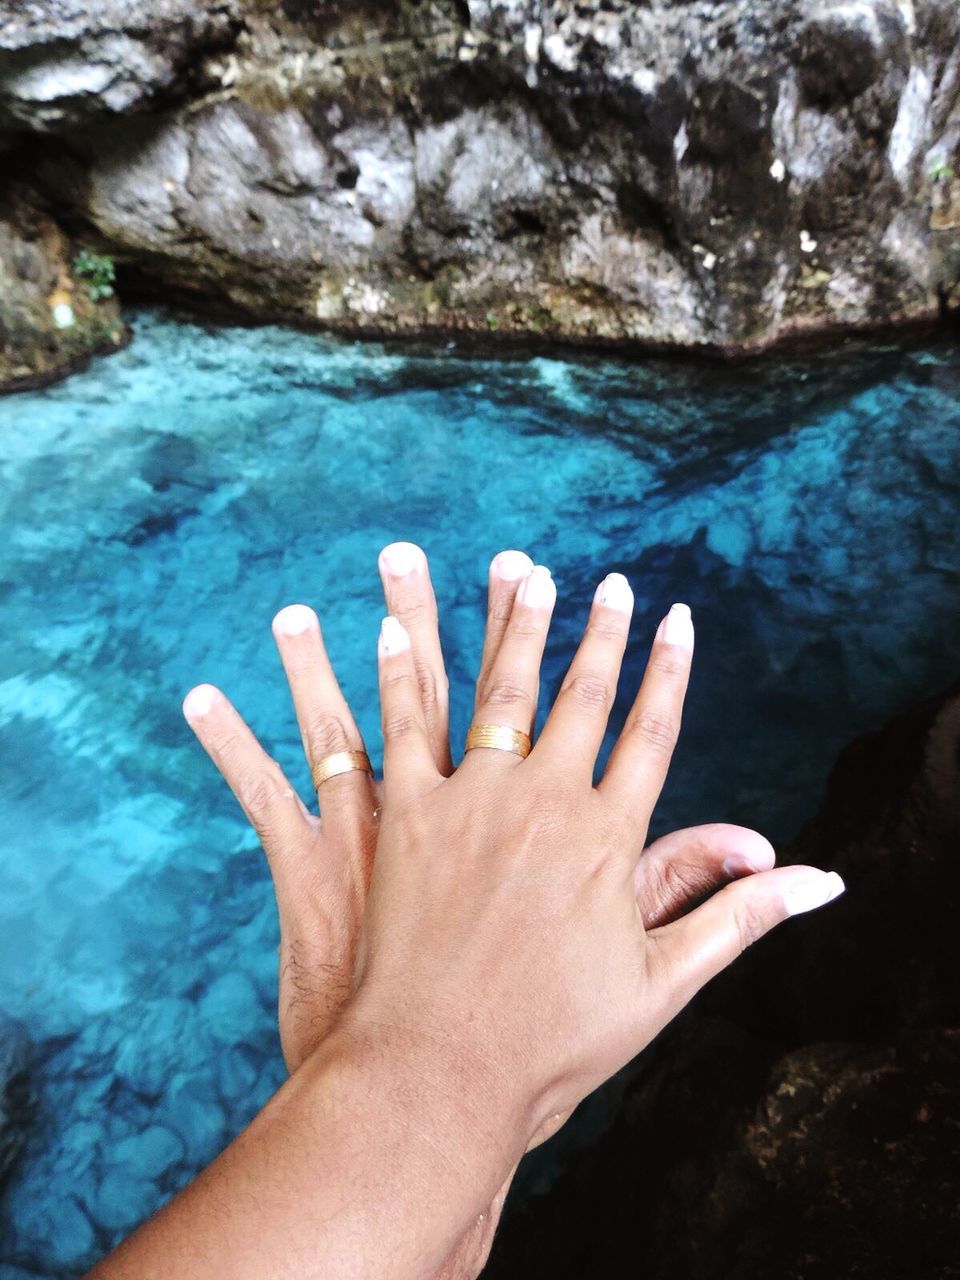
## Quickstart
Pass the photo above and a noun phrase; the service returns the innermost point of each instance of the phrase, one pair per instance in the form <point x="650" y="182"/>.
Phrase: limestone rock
<point x="65" y="62"/>
<point x="49" y="324"/>
<point x="690" y="174"/>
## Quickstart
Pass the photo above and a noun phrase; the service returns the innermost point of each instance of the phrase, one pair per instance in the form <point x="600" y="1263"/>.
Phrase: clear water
<point x="156" y="511"/>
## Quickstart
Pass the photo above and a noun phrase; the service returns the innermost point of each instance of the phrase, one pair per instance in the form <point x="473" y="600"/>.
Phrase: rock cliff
<point x="687" y="173"/>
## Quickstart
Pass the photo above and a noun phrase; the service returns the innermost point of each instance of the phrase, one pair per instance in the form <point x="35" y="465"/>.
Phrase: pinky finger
<point x="639" y="762"/>
<point x="270" y="803"/>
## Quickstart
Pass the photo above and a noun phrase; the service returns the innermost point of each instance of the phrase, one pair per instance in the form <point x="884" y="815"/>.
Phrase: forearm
<point x="372" y="1161"/>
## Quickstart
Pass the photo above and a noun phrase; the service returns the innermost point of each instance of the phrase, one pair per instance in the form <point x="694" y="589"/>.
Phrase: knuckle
<point x="669" y="662"/>
<point x="398" y="726"/>
<point x="412" y="608"/>
<point x="749" y="923"/>
<point x="676" y="881"/>
<point x="605" y="629"/>
<point x="526" y="627"/>
<point x="590" y="691"/>
<point x="432" y="689"/>
<point x="260" y="792"/>
<point x="498" y="614"/>
<point x="326" y="733"/>
<point x="505" y="693"/>
<point x="228" y="744"/>
<point x="657" y="732"/>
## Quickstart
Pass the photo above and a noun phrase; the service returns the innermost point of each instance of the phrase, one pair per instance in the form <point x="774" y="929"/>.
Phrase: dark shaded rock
<point x="802" y="1119"/>
<point x="845" y="48"/>
<point x="64" y="63"/>
<point x="49" y="323"/>
<point x="16" y="1096"/>
<point x="693" y="174"/>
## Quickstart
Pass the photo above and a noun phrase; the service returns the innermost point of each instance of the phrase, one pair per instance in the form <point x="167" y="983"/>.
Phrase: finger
<point x="410" y="597"/>
<point x="408" y="764"/>
<point x="507" y="571"/>
<point x="695" y="948"/>
<point x="675" y="872"/>
<point x="576" y="724"/>
<point x="326" y="724"/>
<point x="508" y="696"/>
<point x="273" y="808"/>
<point x="639" y="761"/>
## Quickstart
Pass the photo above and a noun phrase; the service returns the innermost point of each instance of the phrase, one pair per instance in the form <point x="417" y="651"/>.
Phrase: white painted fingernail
<point x="511" y="566"/>
<point x="393" y="637"/>
<point x="401" y="558"/>
<point x="812" y="891"/>
<point x="614" y="593"/>
<point x="294" y="620"/>
<point x="677" y="627"/>
<point x="538" y="589"/>
<point x="199" y="701"/>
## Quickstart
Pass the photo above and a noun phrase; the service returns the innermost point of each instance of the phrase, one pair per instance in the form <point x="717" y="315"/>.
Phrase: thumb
<point x="699" y="945"/>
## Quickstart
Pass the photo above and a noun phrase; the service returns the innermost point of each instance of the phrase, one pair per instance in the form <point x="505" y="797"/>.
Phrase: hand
<point x="321" y="867"/>
<point x="503" y="928"/>
<point x="503" y="969"/>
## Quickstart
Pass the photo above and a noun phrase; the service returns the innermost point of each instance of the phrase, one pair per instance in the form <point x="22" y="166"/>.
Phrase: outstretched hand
<point x="321" y="866"/>
<point x="503" y="924"/>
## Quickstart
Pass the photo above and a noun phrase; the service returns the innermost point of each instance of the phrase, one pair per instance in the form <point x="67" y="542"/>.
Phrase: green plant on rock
<point x="97" y="272"/>
<point x="940" y="171"/>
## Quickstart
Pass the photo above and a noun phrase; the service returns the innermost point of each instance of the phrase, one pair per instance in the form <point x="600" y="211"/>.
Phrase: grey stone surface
<point x="66" y="62"/>
<point x="700" y="175"/>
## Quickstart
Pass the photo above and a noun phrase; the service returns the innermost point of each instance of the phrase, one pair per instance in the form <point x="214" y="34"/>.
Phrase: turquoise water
<point x="157" y="510"/>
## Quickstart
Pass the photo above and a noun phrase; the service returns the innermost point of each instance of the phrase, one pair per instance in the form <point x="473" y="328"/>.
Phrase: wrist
<point x="460" y="1097"/>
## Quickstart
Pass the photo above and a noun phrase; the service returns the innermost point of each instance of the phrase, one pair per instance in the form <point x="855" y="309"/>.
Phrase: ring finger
<point x="507" y="570"/>
<point x="507" y="695"/>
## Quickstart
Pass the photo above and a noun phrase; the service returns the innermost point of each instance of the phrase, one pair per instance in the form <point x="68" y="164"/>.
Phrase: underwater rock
<point x="695" y="175"/>
<point x="16" y="1096"/>
<point x="801" y="1118"/>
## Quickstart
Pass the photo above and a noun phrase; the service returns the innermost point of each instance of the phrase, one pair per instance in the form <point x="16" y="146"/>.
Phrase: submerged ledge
<point x="803" y="340"/>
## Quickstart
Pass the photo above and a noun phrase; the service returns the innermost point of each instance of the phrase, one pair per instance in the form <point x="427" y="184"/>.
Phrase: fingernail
<point x="393" y="637"/>
<point x="294" y="620"/>
<point x="736" y="865"/>
<point x="199" y="701"/>
<point x="614" y="593"/>
<point x="401" y="558"/>
<point x="537" y="589"/>
<point x="812" y="891"/>
<point x="511" y="566"/>
<point x="677" y="627"/>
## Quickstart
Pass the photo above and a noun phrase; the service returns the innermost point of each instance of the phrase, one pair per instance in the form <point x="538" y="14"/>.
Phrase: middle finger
<point x="410" y="597"/>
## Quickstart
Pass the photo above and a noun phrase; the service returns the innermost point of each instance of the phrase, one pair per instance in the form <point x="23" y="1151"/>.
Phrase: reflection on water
<point x="159" y="508"/>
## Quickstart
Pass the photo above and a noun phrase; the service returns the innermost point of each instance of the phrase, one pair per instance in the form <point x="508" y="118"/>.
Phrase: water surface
<point x="158" y="509"/>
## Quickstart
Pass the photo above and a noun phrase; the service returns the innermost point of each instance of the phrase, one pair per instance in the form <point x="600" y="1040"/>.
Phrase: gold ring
<point x="340" y="762"/>
<point x="499" y="736"/>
